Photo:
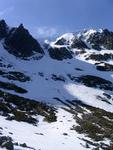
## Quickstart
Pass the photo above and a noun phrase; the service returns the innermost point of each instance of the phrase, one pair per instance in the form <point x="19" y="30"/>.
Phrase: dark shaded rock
<point x="77" y="43"/>
<point x="78" y="69"/>
<point x="22" y="116"/>
<point x="107" y="95"/>
<point x="19" y="108"/>
<point x="59" y="53"/>
<point x="23" y="145"/>
<point x="10" y="86"/>
<point x="104" y="67"/>
<point x="95" y="46"/>
<point x="104" y="99"/>
<point x="3" y="29"/>
<point x="14" y="75"/>
<point x="41" y="74"/>
<point x="66" y="134"/>
<point x="39" y="134"/>
<point x="62" y="41"/>
<point x="101" y="39"/>
<point x="100" y="57"/>
<point x="94" y="81"/>
<point x="58" y="78"/>
<point x="6" y="142"/>
<point x="20" y="43"/>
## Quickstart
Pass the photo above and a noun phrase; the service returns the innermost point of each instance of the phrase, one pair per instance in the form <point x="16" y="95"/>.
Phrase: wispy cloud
<point x="6" y="11"/>
<point x="46" y="31"/>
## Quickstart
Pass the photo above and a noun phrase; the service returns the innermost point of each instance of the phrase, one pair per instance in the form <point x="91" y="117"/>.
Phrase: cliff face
<point x="18" y="41"/>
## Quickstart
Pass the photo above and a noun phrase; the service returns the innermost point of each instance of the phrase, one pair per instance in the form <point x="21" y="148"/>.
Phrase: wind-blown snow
<point x="88" y="96"/>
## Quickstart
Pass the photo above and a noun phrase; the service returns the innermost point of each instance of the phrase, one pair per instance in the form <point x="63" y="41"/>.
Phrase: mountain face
<point x="71" y="40"/>
<point x="56" y="93"/>
<point x="101" y="39"/>
<point x="89" y="39"/>
<point x="59" y="53"/>
<point x="18" y="41"/>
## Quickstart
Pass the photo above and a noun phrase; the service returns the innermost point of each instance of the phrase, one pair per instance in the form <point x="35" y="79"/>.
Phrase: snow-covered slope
<point x="79" y="88"/>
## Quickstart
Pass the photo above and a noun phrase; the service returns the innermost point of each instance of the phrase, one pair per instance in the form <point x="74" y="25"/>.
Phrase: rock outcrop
<point x="20" y="43"/>
<point x="59" y="53"/>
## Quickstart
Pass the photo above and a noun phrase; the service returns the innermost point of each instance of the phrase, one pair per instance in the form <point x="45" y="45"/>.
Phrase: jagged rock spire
<point x="20" y="42"/>
<point x="3" y="29"/>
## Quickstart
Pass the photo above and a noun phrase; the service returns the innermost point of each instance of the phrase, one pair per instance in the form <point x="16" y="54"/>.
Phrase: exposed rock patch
<point x="59" y="53"/>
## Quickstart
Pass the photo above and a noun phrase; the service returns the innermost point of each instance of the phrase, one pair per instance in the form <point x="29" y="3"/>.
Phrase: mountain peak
<point x="18" y="41"/>
<point x="21" y="25"/>
<point x="22" y="28"/>
<point x="3" y="29"/>
<point x="93" y="38"/>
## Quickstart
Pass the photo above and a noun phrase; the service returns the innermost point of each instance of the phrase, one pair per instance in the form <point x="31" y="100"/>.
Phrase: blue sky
<point x="51" y="17"/>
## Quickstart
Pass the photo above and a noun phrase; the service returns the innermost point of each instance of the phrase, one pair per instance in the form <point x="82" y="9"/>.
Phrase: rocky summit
<point x="18" y="41"/>
<point x="56" y="93"/>
<point x="101" y="39"/>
